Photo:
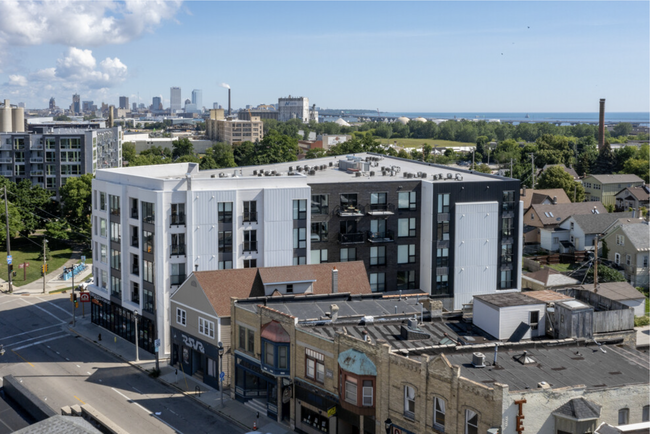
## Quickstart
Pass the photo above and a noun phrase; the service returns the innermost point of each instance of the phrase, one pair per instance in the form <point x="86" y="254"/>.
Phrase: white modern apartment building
<point x="154" y="225"/>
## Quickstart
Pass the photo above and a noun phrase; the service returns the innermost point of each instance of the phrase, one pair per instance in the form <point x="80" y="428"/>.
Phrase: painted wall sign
<point x="195" y="344"/>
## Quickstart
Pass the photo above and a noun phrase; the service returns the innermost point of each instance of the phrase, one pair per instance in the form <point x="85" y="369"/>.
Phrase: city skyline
<point x="408" y="57"/>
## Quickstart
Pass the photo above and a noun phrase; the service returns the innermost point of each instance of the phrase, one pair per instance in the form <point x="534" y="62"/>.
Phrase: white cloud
<point x="17" y="80"/>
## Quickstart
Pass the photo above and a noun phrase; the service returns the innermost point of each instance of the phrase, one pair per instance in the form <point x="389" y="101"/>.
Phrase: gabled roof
<point x="220" y="285"/>
<point x="550" y="277"/>
<point x="568" y="170"/>
<point x="579" y="409"/>
<point x="641" y="193"/>
<point x="638" y="235"/>
<point x="619" y="291"/>
<point x="615" y="179"/>
<point x="540" y="195"/>
<point x="598" y="223"/>
<point x="562" y="211"/>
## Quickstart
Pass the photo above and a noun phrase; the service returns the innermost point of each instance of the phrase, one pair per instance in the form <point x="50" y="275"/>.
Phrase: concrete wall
<point x="32" y="404"/>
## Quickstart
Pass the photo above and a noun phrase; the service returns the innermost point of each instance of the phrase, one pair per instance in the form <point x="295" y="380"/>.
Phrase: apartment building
<point x="48" y="156"/>
<point x="416" y="226"/>
<point x="233" y="131"/>
<point x="604" y="188"/>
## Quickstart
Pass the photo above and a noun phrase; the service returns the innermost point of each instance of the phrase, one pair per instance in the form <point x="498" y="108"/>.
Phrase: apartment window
<point x="617" y="258"/>
<point x="246" y="339"/>
<point x="506" y="254"/>
<point x="620" y="240"/>
<point x="319" y="204"/>
<point x="506" y="279"/>
<point x="406" y="254"/>
<point x="148" y="212"/>
<point x="104" y="278"/>
<point x="406" y="279"/>
<point x="351" y="390"/>
<point x="443" y="203"/>
<point x="177" y="275"/>
<point x="443" y="231"/>
<point x="147" y="242"/>
<point x="289" y="289"/>
<point x="319" y="231"/>
<point x="135" y="264"/>
<point x="116" y="261"/>
<point x="442" y="258"/>
<point x="348" y="255"/>
<point x="299" y="260"/>
<point x="227" y="265"/>
<point x="134" y="236"/>
<point x="300" y="209"/>
<point x="102" y="227"/>
<point x="645" y="417"/>
<point x="367" y="393"/>
<point x="134" y="208"/>
<point x="114" y="202"/>
<point x="442" y="284"/>
<point x="206" y="328"/>
<point x="116" y="287"/>
<point x="148" y="304"/>
<point x="314" y="365"/>
<point x="178" y="244"/>
<point x="471" y="422"/>
<point x="348" y="200"/>
<point x="439" y="413"/>
<point x="225" y="241"/>
<point x="378" y="201"/>
<point x="250" y="263"/>
<point x="507" y="226"/>
<point x="378" y="255"/>
<point x="225" y="212"/>
<point x="275" y="355"/>
<point x="624" y="416"/>
<point x="250" y="241"/>
<point x="508" y="201"/>
<point x="102" y="201"/>
<point x="178" y="213"/>
<point x="147" y="275"/>
<point x="409" y="402"/>
<point x="406" y="227"/>
<point x="116" y="232"/>
<point x="181" y="317"/>
<point x="103" y="253"/>
<point x="572" y="225"/>
<point x="534" y="319"/>
<point x="250" y="211"/>
<point x="135" y="292"/>
<point x="645" y="262"/>
<point x="318" y="256"/>
<point x="300" y="238"/>
<point x="377" y="282"/>
<point x="407" y="200"/>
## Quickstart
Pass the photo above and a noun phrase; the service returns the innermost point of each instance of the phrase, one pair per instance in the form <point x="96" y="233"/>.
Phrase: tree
<point x="244" y="153"/>
<point x="221" y="154"/>
<point x="181" y="147"/>
<point x="605" y="274"/>
<point x="622" y="129"/>
<point x="57" y="230"/>
<point x="276" y="148"/>
<point x="15" y="221"/>
<point x="30" y="199"/>
<point x="623" y="154"/>
<point x="482" y="168"/>
<point x="188" y="159"/>
<point x="638" y="167"/>
<point x="76" y="201"/>
<point x="128" y="151"/>
<point x="557" y="177"/>
<point x="605" y="164"/>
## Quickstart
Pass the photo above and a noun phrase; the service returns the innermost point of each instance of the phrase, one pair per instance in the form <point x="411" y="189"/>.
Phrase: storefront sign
<point x="331" y="412"/>
<point x="97" y="302"/>
<point x="195" y="344"/>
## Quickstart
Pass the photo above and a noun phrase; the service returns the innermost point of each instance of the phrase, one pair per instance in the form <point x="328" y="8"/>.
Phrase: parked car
<point x="86" y="282"/>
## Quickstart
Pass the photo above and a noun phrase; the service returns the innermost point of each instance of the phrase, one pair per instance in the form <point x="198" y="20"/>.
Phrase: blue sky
<point x="396" y="56"/>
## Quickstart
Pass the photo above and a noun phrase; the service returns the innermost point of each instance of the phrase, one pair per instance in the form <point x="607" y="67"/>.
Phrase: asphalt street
<point x="64" y="369"/>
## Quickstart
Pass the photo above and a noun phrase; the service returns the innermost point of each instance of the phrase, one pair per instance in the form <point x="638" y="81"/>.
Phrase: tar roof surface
<point x="560" y="366"/>
<point x="547" y="296"/>
<point x="508" y="299"/>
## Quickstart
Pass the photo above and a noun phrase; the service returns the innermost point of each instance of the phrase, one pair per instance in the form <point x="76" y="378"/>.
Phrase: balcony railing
<point x="381" y="237"/>
<point x="178" y="219"/>
<point x="36" y="173"/>
<point x="381" y="209"/>
<point x="350" y="210"/>
<point x="36" y="146"/>
<point x="35" y="159"/>
<point x="250" y="246"/>
<point x="250" y="216"/>
<point x="177" y="279"/>
<point x="351" y="238"/>
<point x="6" y="160"/>
<point x="178" y="249"/>
<point x="7" y="173"/>
<point x="508" y="206"/>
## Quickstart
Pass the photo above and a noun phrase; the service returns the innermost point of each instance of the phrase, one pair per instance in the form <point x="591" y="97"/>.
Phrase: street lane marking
<point x="46" y="311"/>
<point x="35" y="330"/>
<point x="55" y="305"/>
<point x="40" y="342"/>
<point x="30" y="339"/>
<point x="152" y="414"/>
<point x="8" y="301"/>
<point x="14" y="351"/>
<point x="78" y="366"/>
<point x="78" y="399"/>
<point x="137" y="390"/>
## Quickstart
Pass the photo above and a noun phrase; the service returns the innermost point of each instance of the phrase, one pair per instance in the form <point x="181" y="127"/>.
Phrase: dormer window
<point x="357" y="382"/>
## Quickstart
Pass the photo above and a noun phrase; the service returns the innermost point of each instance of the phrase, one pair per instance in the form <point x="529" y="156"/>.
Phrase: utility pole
<point x="9" y="266"/>
<point x="575" y="192"/>
<point x="473" y="164"/>
<point x="511" y="174"/>
<point x="532" y="157"/>
<point x="44" y="262"/>
<point x="596" y="266"/>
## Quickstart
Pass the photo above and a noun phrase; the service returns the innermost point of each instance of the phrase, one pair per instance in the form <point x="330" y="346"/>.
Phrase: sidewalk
<point x="207" y="396"/>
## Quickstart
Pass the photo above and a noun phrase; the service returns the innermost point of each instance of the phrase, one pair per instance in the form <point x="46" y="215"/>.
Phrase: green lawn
<point x="23" y="251"/>
<point x="417" y="143"/>
<point x="562" y="268"/>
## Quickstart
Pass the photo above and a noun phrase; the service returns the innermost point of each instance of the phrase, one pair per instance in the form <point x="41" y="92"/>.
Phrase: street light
<point x="135" y="313"/>
<point x="221" y="351"/>
<point x="388" y="424"/>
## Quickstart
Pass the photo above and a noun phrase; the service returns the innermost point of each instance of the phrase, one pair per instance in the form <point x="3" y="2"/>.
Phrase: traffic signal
<point x="44" y="268"/>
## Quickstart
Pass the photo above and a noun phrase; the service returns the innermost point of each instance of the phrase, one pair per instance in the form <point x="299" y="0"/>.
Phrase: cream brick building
<point x="232" y="131"/>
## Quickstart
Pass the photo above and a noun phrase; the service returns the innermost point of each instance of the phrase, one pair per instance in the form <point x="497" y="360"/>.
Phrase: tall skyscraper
<point x="197" y="98"/>
<point x="52" y="103"/>
<point x="175" y="102"/>
<point x="134" y="107"/>
<point x="156" y="103"/>
<point x="124" y="102"/>
<point x="76" y="103"/>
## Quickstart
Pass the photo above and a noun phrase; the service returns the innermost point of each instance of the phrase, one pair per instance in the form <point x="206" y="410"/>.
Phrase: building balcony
<point x="178" y="250"/>
<point x="178" y="219"/>
<point x="351" y="238"/>
<point x="381" y="209"/>
<point x="36" y="146"/>
<point x="6" y="160"/>
<point x="350" y="211"/>
<point x="35" y="159"/>
<point x="7" y="173"/>
<point x="381" y="237"/>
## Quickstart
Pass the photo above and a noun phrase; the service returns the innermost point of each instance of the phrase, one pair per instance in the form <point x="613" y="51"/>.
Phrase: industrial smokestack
<point x="229" y="110"/>
<point x="601" y="125"/>
<point x="111" y="116"/>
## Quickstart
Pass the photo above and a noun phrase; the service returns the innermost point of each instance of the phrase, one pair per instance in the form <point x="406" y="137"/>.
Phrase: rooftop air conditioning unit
<point x="372" y="173"/>
<point x="312" y="172"/>
<point x="449" y="175"/>
<point x="423" y="175"/>
<point x="357" y="174"/>
<point x="331" y="164"/>
<point x="478" y="360"/>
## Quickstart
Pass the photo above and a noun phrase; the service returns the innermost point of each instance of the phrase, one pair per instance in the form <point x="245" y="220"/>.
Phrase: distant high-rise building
<point x="197" y="98"/>
<point x="293" y="108"/>
<point x="134" y="107"/>
<point x="175" y="99"/>
<point x="76" y="103"/>
<point x="157" y="103"/>
<point x="124" y="102"/>
<point x="215" y="105"/>
<point x="21" y="104"/>
<point x="87" y="106"/>
<point x="52" y="103"/>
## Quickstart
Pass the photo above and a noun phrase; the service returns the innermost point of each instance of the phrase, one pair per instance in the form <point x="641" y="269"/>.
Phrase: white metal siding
<point x="486" y="318"/>
<point x="426" y="237"/>
<point x="512" y="317"/>
<point x="475" y="251"/>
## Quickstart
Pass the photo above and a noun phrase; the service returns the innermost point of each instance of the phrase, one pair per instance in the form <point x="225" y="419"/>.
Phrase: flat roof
<point x="547" y="296"/>
<point x="559" y="366"/>
<point x="508" y="300"/>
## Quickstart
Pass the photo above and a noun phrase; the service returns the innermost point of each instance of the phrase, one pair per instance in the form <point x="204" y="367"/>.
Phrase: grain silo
<point x="18" y="120"/>
<point x="5" y="118"/>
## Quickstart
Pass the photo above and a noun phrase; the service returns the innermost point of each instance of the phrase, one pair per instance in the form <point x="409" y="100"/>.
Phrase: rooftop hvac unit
<point x="372" y="173"/>
<point x="449" y="175"/>
<point x="254" y="172"/>
<point x="221" y="174"/>
<point x="423" y="175"/>
<point x="213" y="176"/>
<point x="260" y="174"/>
<point x="406" y="174"/>
<point x="299" y="169"/>
<point x="278" y="174"/>
<point x="290" y="168"/>
<point x="315" y="168"/>
<point x="459" y="177"/>
<point x="357" y="174"/>
<point x="323" y="167"/>
<point x="478" y="360"/>
<point x="306" y="167"/>
<point x="273" y="172"/>
<point x="331" y="164"/>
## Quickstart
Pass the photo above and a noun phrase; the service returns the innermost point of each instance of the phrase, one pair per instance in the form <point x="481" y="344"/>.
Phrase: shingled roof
<point x="556" y="214"/>
<point x="598" y="223"/>
<point x="616" y="179"/>
<point x="540" y="195"/>
<point x="641" y="193"/>
<point x="579" y="409"/>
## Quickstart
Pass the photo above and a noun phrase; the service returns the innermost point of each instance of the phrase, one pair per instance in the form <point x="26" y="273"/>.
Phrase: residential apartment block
<point x="604" y="188"/>
<point x="416" y="226"/>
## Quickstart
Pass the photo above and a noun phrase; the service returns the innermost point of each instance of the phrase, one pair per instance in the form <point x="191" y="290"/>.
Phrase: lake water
<point x="632" y="117"/>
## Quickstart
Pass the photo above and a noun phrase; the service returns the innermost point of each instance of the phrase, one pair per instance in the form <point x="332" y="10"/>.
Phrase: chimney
<point x="335" y="312"/>
<point x="554" y="200"/>
<point x="335" y="280"/>
<point x="601" y="125"/>
<point x="365" y="335"/>
<point x="229" y="112"/>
